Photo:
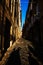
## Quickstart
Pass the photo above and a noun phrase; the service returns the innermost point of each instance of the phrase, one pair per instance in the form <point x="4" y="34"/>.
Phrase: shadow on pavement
<point x="32" y="61"/>
<point x="14" y="58"/>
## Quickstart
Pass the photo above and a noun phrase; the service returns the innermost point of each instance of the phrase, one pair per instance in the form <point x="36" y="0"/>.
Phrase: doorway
<point x="7" y="34"/>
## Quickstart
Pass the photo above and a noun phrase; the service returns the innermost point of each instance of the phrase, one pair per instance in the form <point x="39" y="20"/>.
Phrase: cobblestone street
<point x="20" y="54"/>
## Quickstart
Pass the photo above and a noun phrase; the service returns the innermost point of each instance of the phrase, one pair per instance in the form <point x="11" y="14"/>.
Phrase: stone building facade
<point x="33" y="27"/>
<point x="10" y="23"/>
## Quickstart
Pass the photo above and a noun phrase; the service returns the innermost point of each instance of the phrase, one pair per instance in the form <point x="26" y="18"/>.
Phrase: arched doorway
<point x="7" y="34"/>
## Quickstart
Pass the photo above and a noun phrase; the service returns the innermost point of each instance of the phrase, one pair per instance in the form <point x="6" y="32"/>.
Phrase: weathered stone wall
<point x="8" y="19"/>
<point x="33" y="27"/>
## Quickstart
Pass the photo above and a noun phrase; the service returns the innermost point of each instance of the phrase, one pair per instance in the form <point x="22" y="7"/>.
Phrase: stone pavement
<point x="7" y="54"/>
<point x="25" y="53"/>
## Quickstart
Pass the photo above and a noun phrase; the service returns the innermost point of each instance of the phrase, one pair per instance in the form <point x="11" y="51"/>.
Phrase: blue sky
<point x="24" y="5"/>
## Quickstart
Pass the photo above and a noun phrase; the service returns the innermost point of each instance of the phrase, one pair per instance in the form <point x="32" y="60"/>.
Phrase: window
<point x="15" y="13"/>
<point x="37" y="9"/>
<point x="10" y="4"/>
<point x="32" y="19"/>
<point x="31" y="5"/>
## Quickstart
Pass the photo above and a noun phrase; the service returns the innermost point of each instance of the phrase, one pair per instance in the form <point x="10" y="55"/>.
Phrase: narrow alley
<point x="21" y="32"/>
<point x="20" y="53"/>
